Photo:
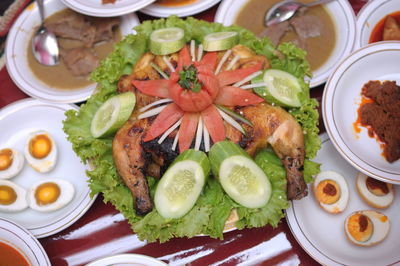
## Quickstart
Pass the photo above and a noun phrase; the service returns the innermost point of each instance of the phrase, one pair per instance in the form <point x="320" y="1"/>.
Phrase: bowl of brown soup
<point x="326" y="32"/>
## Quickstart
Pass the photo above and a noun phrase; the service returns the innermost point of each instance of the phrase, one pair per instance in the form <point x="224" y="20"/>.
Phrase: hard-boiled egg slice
<point x="41" y="151"/>
<point x="50" y="194"/>
<point x="331" y="191"/>
<point x="11" y="163"/>
<point x="376" y="193"/>
<point x="366" y="228"/>
<point x="12" y="197"/>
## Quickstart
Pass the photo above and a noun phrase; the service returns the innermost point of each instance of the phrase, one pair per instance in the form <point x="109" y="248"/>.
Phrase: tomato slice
<point x="210" y="84"/>
<point x="233" y="96"/>
<point x="232" y="76"/>
<point x="210" y="60"/>
<point x="190" y="101"/>
<point x="164" y="121"/>
<point x="184" y="59"/>
<point x="214" y="123"/>
<point x="158" y="87"/>
<point x="187" y="130"/>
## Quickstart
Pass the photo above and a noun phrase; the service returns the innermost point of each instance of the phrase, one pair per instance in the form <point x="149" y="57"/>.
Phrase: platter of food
<point x="106" y="8"/>
<point x="181" y="8"/>
<point x="327" y="32"/>
<point x="378" y="20"/>
<point x="167" y="132"/>
<point x="127" y="259"/>
<point x="83" y="41"/>
<point x="338" y="238"/>
<point x="361" y="112"/>
<point x="19" y="247"/>
<point x="40" y="176"/>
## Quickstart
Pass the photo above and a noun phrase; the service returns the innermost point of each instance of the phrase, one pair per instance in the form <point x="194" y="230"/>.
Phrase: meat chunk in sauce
<point x="391" y="30"/>
<point x="80" y="61"/>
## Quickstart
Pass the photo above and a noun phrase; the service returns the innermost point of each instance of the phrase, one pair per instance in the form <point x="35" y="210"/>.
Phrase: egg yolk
<point x="328" y="191"/>
<point x="378" y="188"/>
<point x="47" y="193"/>
<point x="40" y="146"/>
<point x="7" y="195"/>
<point x="360" y="227"/>
<point x="6" y="158"/>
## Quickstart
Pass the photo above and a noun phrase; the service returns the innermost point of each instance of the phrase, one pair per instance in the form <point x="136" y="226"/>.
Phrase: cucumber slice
<point x="167" y="41"/>
<point x="241" y="178"/>
<point x="281" y="88"/>
<point x="180" y="187"/>
<point x="218" y="41"/>
<point x="112" y="114"/>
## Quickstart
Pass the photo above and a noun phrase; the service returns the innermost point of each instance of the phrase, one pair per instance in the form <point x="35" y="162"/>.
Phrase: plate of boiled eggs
<point x="43" y="185"/>
<point x="348" y="218"/>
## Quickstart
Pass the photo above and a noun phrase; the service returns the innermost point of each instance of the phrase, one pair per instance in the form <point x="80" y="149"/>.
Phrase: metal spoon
<point x="286" y="9"/>
<point x="44" y="43"/>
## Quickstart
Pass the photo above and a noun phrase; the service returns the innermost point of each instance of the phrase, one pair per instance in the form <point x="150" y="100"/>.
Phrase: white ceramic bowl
<point x="342" y="97"/>
<point x="370" y="15"/>
<point x="343" y="15"/>
<point x="181" y="11"/>
<point x="127" y="259"/>
<point x="18" y="42"/>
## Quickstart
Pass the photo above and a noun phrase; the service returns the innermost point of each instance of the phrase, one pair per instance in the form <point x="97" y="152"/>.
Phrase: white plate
<point x="369" y="15"/>
<point x="15" y="235"/>
<point x="340" y="101"/>
<point x="322" y="235"/>
<point x="97" y="9"/>
<point x="127" y="259"/>
<point x="17" y="120"/>
<point x="17" y="61"/>
<point x="181" y="11"/>
<point x="341" y="12"/>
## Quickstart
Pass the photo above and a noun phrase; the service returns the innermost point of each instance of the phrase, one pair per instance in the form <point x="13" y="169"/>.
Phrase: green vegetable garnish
<point x="188" y="79"/>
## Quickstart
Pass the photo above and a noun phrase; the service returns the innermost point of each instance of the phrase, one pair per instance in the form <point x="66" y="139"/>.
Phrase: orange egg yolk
<point x="40" y="146"/>
<point x="7" y="195"/>
<point x="360" y="227"/>
<point x="328" y="191"/>
<point x="6" y="158"/>
<point x="47" y="193"/>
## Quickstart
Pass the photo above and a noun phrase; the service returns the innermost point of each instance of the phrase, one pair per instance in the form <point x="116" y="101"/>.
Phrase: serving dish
<point x="322" y="234"/>
<point x="198" y="6"/>
<point x="341" y="12"/>
<point x="341" y="99"/>
<point x="18" y="237"/>
<point x="18" y="42"/>
<point x="95" y="8"/>
<point x="127" y="259"/>
<point x="19" y="119"/>
<point x="368" y="17"/>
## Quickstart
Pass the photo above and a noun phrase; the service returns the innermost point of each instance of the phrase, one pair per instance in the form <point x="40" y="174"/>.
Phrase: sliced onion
<point x="152" y="112"/>
<point x="199" y="134"/>
<point x="234" y="115"/>
<point x="233" y="62"/>
<point x="144" y="108"/>
<point x="175" y="141"/>
<point x="168" y="63"/>
<point x="223" y="59"/>
<point x="167" y="132"/>
<point x="200" y="52"/>
<point x="246" y="79"/>
<point x="231" y="121"/>
<point x="254" y="85"/>
<point x="192" y="50"/>
<point x="158" y="69"/>
<point x="206" y="137"/>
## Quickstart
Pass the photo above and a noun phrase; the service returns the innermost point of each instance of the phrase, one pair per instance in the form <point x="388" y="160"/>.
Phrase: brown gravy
<point x="318" y="48"/>
<point x="59" y="77"/>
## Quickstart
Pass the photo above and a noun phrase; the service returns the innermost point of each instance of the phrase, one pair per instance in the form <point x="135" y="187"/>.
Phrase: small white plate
<point x="341" y="12"/>
<point x="127" y="259"/>
<point x="18" y="237"/>
<point x="322" y="235"/>
<point x="19" y="119"/>
<point x="369" y="15"/>
<point x="181" y="11"/>
<point x="341" y="99"/>
<point x="18" y="43"/>
<point x="95" y="8"/>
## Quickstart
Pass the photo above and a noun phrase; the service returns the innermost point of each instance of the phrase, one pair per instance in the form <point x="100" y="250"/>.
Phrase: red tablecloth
<point x="103" y="231"/>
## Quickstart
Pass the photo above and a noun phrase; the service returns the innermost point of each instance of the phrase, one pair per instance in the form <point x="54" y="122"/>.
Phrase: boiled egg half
<point x="50" y="194"/>
<point x="366" y="228"/>
<point x="331" y="191"/>
<point x="41" y="151"/>
<point x="375" y="193"/>
<point x="11" y="163"/>
<point x="12" y="197"/>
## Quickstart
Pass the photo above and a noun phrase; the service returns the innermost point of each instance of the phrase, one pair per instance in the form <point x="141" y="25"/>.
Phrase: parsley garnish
<point x="188" y="79"/>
